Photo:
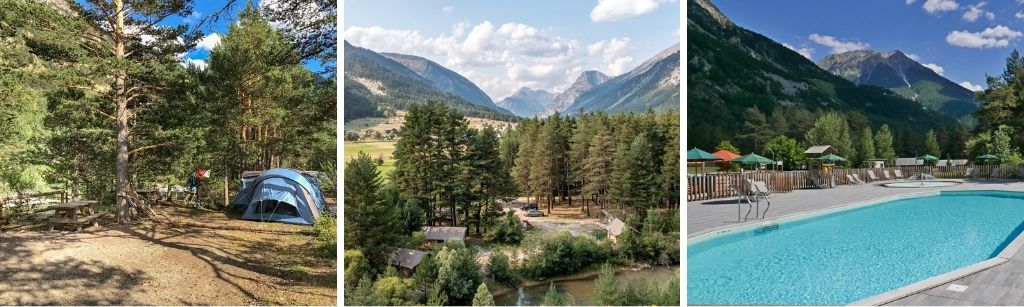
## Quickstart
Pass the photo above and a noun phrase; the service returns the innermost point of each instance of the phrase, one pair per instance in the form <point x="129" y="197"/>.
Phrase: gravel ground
<point x="146" y="264"/>
<point x="562" y="217"/>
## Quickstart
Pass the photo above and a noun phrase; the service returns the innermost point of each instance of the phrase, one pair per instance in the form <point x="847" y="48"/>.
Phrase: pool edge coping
<point x="895" y="294"/>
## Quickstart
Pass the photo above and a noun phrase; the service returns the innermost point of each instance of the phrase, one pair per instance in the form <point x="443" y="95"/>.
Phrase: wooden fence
<point x="712" y="186"/>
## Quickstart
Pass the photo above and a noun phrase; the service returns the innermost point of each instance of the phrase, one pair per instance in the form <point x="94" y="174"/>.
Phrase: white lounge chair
<point x="899" y="174"/>
<point x="886" y="174"/>
<point x="871" y="175"/>
<point x="857" y="177"/>
<point x="995" y="173"/>
<point x="849" y="178"/>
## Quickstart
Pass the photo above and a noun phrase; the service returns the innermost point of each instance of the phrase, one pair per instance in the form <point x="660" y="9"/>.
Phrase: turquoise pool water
<point x="843" y="257"/>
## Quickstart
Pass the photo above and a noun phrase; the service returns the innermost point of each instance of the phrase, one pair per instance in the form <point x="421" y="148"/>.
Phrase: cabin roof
<point x="440" y="233"/>
<point x="407" y="258"/>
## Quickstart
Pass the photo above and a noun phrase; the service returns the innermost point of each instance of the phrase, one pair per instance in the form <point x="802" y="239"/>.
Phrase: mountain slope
<point x="526" y="102"/>
<point x="373" y="79"/>
<point x="562" y="102"/>
<point x="898" y="72"/>
<point x="444" y="79"/>
<point x="731" y="68"/>
<point x="654" y="84"/>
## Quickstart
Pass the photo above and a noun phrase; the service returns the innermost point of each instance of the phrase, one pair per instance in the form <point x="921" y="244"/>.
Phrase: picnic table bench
<point x="74" y="213"/>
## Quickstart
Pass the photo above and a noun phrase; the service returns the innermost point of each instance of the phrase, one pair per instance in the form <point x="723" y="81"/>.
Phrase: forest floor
<point x="158" y="264"/>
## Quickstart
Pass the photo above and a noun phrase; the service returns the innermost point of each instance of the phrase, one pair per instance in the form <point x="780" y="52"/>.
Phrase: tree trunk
<point x="121" y="115"/>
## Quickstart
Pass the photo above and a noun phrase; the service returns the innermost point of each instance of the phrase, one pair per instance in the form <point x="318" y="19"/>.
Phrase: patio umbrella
<point x="987" y="157"/>
<point x="752" y="158"/>
<point x="697" y="155"/>
<point x="726" y="156"/>
<point x="831" y="158"/>
<point x="927" y="158"/>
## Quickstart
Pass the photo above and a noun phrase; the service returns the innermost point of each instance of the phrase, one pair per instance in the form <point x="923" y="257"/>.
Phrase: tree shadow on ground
<point x="27" y="281"/>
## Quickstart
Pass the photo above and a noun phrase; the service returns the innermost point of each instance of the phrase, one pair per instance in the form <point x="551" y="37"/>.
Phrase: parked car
<point x="530" y="206"/>
<point x="534" y="212"/>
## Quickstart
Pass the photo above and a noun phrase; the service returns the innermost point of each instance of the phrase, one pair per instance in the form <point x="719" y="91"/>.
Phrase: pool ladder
<point x="750" y="205"/>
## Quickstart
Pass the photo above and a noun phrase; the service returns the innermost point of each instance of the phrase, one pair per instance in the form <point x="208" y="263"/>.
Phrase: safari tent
<point x="280" y="195"/>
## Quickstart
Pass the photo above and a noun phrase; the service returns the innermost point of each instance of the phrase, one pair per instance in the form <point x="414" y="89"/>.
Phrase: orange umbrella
<point x="726" y="157"/>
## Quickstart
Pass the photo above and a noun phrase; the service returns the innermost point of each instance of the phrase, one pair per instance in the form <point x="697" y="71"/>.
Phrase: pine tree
<point x="605" y="287"/>
<point x="521" y="171"/>
<point x="670" y="168"/>
<point x="597" y="167"/>
<point x="483" y="296"/>
<point x="866" y="151"/>
<point x="931" y="144"/>
<point x="370" y="224"/>
<point x="579" y="147"/>
<point x="831" y="129"/>
<point x="552" y="297"/>
<point x="756" y="129"/>
<point x="883" y="144"/>
<point x="543" y="166"/>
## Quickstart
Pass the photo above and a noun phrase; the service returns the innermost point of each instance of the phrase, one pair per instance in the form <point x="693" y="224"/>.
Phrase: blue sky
<point x="965" y="40"/>
<point x="504" y="45"/>
<point x="215" y="29"/>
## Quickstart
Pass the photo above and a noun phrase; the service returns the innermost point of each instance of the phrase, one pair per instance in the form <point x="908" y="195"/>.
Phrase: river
<point x="581" y="289"/>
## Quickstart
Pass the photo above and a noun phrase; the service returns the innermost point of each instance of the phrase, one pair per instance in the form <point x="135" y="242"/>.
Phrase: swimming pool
<point x="922" y="183"/>
<point x="845" y="256"/>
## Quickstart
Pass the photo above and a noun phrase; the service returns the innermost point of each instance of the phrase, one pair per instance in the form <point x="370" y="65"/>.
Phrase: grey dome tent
<point x="280" y="195"/>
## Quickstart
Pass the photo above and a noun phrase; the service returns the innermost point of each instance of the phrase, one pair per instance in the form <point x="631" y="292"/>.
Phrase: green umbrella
<point x="927" y="158"/>
<point x="831" y="158"/>
<point x="696" y="154"/>
<point x="752" y="158"/>
<point x="987" y="157"/>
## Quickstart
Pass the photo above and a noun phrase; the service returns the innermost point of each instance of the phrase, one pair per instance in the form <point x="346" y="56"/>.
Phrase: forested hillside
<point x="736" y="76"/>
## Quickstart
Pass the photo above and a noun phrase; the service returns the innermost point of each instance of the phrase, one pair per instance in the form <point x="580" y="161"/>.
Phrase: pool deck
<point x="1002" y="284"/>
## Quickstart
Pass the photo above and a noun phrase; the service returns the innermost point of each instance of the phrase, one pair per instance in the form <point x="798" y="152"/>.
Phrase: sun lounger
<point x="885" y="173"/>
<point x="871" y="175"/>
<point x="971" y="172"/>
<point x="899" y="174"/>
<point x="849" y="178"/>
<point x="857" y="177"/>
<point x="995" y="173"/>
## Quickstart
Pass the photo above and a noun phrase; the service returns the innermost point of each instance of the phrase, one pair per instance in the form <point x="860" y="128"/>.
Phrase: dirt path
<point x="562" y="217"/>
<point x="148" y="264"/>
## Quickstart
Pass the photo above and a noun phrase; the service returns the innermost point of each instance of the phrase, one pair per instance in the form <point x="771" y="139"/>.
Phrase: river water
<point x="581" y="289"/>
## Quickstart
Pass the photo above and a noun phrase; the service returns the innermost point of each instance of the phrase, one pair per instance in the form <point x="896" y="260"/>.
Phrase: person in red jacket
<point x="195" y="180"/>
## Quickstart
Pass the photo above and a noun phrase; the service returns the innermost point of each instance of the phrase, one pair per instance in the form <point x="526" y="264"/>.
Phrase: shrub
<point x="508" y="229"/>
<point x="356" y="268"/>
<point x="457" y="272"/>
<point x="393" y="291"/>
<point x="563" y="254"/>
<point x="499" y="271"/>
<point x="325" y="239"/>
<point x="483" y="296"/>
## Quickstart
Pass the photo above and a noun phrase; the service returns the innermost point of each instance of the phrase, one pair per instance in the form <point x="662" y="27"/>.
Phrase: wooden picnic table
<point x="74" y="213"/>
<point x="151" y="195"/>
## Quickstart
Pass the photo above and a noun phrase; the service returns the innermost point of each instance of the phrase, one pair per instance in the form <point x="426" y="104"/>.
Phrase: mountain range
<point x="898" y="72"/>
<point x="396" y="80"/>
<point x="527" y="102"/>
<point x="732" y="70"/>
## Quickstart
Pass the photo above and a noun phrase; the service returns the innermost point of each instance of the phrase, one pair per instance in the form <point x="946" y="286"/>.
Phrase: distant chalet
<point x="443" y="234"/>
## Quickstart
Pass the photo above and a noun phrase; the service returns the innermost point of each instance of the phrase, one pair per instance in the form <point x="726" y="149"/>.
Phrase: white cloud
<point x="973" y="87"/>
<point x="1019" y="15"/>
<point x="913" y="57"/>
<point x="201" y="64"/>
<point x="209" y="42"/>
<point x="838" y="46"/>
<point x="939" y="6"/>
<point x="998" y="36"/>
<point x="192" y="18"/>
<point x="805" y="51"/>
<point x="909" y="2"/>
<point x="612" y="10"/>
<point x="448" y="9"/>
<point x="501" y="58"/>
<point x="935" y="67"/>
<point x="975" y="11"/>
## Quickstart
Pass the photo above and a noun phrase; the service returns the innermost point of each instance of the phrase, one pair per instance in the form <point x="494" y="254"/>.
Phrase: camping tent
<point x="280" y="195"/>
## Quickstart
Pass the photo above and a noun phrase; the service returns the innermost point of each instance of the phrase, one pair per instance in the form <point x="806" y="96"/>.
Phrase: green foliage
<point x="657" y="242"/>
<point x="634" y="178"/>
<point x="931" y="144"/>
<point x="883" y="144"/>
<point x="508" y="229"/>
<point x="563" y="254"/>
<point x="371" y="220"/>
<point x="552" y="297"/>
<point x="831" y="129"/>
<point x="756" y="129"/>
<point x="605" y="287"/>
<point x="362" y="294"/>
<point x="325" y="241"/>
<point x="426" y="272"/>
<point x="483" y="296"/>
<point x="998" y="143"/>
<point x="437" y="296"/>
<point x="457" y="272"/>
<point x="727" y="146"/>
<point x="499" y="270"/>
<point x="866" y="146"/>
<point x="393" y="291"/>
<point x="356" y="267"/>
<point x="785" y="149"/>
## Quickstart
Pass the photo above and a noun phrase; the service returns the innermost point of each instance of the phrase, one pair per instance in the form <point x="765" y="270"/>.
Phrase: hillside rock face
<point x="896" y="71"/>
<point x="586" y="81"/>
<point x="652" y="85"/>
<point x="527" y="102"/>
